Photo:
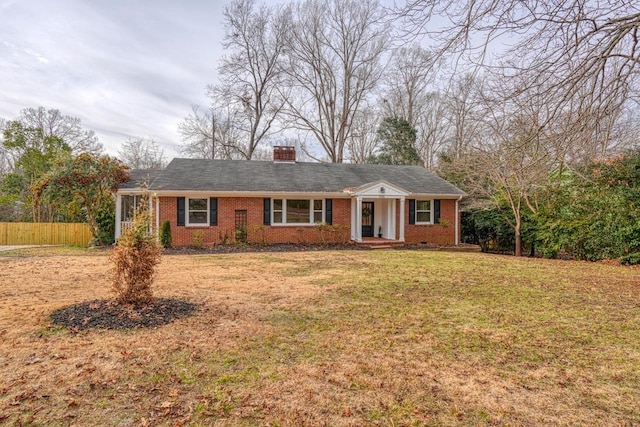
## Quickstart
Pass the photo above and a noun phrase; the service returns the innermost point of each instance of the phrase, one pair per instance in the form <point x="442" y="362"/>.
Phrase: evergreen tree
<point x="397" y="140"/>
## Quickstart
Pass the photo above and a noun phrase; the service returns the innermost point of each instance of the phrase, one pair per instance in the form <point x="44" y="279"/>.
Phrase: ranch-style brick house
<point x="284" y="201"/>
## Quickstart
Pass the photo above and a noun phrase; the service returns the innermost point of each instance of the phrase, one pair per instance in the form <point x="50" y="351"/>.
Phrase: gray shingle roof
<point x="139" y="177"/>
<point x="266" y="176"/>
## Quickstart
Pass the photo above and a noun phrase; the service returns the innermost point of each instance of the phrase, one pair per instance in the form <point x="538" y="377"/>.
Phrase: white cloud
<point x="124" y="68"/>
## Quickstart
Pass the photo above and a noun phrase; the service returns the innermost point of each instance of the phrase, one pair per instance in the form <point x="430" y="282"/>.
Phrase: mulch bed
<point x="305" y="247"/>
<point x="108" y="314"/>
<point x="252" y="247"/>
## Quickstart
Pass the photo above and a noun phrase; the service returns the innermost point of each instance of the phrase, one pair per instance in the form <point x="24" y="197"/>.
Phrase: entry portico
<point x="373" y="211"/>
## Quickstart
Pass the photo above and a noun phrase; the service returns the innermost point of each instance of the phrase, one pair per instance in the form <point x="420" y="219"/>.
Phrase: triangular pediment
<point x="380" y="189"/>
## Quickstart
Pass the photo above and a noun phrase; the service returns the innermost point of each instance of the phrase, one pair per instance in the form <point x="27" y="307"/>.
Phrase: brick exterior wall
<point x="338" y="232"/>
<point x="437" y="234"/>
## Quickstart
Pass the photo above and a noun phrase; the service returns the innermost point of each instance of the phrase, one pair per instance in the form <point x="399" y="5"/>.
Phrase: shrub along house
<point x="284" y="201"/>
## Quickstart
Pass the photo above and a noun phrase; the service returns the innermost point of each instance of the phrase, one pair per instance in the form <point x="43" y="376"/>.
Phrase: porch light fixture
<point x="382" y="190"/>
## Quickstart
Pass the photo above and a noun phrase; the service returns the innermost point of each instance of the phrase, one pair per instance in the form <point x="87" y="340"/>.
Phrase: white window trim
<point x="186" y="212"/>
<point x="430" y="212"/>
<point x="313" y="211"/>
<point x="296" y="224"/>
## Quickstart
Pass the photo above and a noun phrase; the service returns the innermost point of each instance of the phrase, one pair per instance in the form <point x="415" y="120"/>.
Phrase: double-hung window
<point x="318" y="211"/>
<point x="297" y="211"/>
<point x="197" y="211"/>
<point x="424" y="212"/>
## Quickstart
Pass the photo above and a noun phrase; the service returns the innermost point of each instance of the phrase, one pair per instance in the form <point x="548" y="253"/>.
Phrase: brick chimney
<point x="284" y="154"/>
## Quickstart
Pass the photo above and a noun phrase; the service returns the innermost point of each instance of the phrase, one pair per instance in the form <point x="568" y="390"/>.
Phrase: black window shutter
<point x="412" y="211"/>
<point x="180" y="210"/>
<point x="328" y="211"/>
<point x="436" y="211"/>
<point x="267" y="211"/>
<point x="213" y="211"/>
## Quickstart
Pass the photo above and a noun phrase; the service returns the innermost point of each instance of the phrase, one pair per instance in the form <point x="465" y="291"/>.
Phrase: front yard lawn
<point x="337" y="338"/>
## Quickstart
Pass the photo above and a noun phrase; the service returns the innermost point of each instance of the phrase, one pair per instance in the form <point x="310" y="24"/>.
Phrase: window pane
<point x="423" y="205"/>
<point x="298" y="211"/>
<point x="197" y="217"/>
<point x="197" y="204"/>
<point x="277" y="204"/>
<point x="317" y="216"/>
<point x="126" y="210"/>
<point x="317" y="205"/>
<point x="423" y="216"/>
<point x="277" y="217"/>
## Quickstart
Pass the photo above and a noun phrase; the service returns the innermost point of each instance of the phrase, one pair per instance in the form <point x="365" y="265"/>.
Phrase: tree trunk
<point x="518" y="237"/>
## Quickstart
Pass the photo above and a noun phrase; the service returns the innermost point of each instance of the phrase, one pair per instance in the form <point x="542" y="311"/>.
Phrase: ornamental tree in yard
<point x="88" y="180"/>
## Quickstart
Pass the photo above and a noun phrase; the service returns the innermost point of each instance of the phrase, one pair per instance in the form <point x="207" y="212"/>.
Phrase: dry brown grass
<point x="328" y="338"/>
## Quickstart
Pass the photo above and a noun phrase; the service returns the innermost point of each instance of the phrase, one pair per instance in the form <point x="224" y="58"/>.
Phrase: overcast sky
<point x="125" y="68"/>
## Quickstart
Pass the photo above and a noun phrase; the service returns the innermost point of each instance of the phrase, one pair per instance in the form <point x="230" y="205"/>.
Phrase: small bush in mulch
<point x="108" y="314"/>
<point x="134" y="259"/>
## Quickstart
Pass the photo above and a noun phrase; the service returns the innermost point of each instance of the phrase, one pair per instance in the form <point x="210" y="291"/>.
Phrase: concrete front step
<point x="380" y="243"/>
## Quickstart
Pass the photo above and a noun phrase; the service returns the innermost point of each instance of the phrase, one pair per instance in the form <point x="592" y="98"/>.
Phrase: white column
<point x="457" y="220"/>
<point x="151" y="214"/>
<point x="401" y="219"/>
<point x="391" y="221"/>
<point x="118" y="219"/>
<point x="359" y="219"/>
<point x="157" y="217"/>
<point x="353" y="219"/>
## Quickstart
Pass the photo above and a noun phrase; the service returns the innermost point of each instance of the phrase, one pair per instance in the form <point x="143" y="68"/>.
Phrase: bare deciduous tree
<point x="518" y="155"/>
<point x="6" y="161"/>
<point x="433" y="128"/>
<point x="142" y="153"/>
<point x="333" y="64"/>
<point x="406" y="82"/>
<point x="53" y="123"/>
<point x="407" y="95"/>
<point x="250" y="72"/>
<point x="558" y="93"/>
<point x="626" y="130"/>
<point x="562" y="47"/>
<point x="510" y="166"/>
<point x="209" y="134"/>
<point x="465" y="115"/>
<point x="363" y="140"/>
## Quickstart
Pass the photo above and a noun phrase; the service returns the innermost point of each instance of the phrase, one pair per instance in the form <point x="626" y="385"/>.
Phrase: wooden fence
<point x="44" y="233"/>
